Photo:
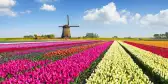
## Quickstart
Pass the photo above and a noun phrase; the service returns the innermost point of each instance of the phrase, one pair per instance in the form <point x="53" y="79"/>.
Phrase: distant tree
<point x="128" y="37"/>
<point x="51" y="36"/>
<point x="157" y="36"/>
<point x="80" y="37"/>
<point x="139" y="38"/>
<point x="42" y="36"/>
<point x="166" y="34"/>
<point x="89" y="35"/>
<point x="92" y="35"/>
<point x="115" y="37"/>
<point x="35" y="36"/>
<point x="163" y="36"/>
<point x="29" y="36"/>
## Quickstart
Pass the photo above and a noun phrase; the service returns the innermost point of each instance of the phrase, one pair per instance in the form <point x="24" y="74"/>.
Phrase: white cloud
<point x="47" y="7"/>
<point x="6" y="7"/>
<point x="7" y="11"/>
<point x="106" y="14"/>
<point x="109" y="14"/>
<point x="26" y="12"/>
<point x="135" y="18"/>
<point x="7" y="3"/>
<point x="156" y="20"/>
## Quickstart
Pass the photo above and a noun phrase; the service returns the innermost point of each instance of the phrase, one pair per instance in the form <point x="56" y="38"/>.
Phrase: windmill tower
<point x="66" y="29"/>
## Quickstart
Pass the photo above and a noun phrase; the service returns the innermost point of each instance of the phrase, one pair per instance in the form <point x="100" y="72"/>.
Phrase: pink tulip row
<point x="25" y="46"/>
<point x="29" y="44"/>
<point x="19" y="66"/>
<point x="10" y="45"/>
<point x="62" y="71"/>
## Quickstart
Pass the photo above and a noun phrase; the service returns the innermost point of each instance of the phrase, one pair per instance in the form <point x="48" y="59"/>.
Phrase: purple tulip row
<point x="62" y="71"/>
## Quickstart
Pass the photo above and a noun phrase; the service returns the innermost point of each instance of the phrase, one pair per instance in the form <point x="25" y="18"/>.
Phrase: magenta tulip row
<point x="62" y="71"/>
<point x="14" y="67"/>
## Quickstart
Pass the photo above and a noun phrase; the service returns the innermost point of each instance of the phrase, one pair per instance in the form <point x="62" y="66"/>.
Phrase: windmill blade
<point x="60" y="26"/>
<point x="73" y="26"/>
<point x="68" y="19"/>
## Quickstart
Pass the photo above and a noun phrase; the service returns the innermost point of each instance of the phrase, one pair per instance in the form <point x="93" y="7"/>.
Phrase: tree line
<point x="51" y="36"/>
<point x="35" y="36"/>
<point x="91" y="35"/>
<point x="161" y="36"/>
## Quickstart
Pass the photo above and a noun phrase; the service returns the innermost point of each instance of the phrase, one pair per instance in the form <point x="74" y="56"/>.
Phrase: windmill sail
<point x="68" y="19"/>
<point x="60" y="26"/>
<point x="73" y="26"/>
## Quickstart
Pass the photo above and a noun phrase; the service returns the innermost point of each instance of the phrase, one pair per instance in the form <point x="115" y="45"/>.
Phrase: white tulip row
<point x="117" y="67"/>
<point x="156" y="64"/>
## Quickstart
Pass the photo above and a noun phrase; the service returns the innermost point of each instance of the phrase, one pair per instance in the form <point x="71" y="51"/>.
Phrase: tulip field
<point x="84" y="62"/>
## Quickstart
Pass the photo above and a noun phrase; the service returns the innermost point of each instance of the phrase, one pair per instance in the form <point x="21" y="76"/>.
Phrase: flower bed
<point x="69" y="51"/>
<point x="117" y="67"/>
<point x="157" y="50"/>
<point x="61" y="71"/>
<point x="15" y="67"/>
<point x="163" y="44"/>
<point x="156" y="65"/>
<point x="33" y="53"/>
<point x="14" y="47"/>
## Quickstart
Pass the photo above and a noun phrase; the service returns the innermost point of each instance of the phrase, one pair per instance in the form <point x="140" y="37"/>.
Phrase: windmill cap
<point x="66" y="26"/>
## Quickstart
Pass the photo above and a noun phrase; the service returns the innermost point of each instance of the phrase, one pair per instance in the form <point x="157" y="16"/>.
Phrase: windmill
<point x="66" y="29"/>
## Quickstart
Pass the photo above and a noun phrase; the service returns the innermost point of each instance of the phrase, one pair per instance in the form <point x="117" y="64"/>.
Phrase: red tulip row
<point x="156" y="50"/>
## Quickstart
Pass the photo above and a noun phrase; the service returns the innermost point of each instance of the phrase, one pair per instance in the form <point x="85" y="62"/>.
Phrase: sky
<point x="108" y="18"/>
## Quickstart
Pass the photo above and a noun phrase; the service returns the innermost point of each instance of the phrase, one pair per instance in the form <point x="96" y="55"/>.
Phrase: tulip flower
<point x="61" y="71"/>
<point x="31" y="53"/>
<point x="157" y="65"/>
<point x="117" y="67"/>
<point x="156" y="50"/>
<point x="12" y="68"/>
<point x="69" y="51"/>
<point x="163" y="44"/>
<point x="26" y="46"/>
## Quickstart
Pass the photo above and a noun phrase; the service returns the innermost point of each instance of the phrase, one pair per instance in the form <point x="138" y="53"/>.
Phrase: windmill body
<point x="66" y="29"/>
<point x="66" y="32"/>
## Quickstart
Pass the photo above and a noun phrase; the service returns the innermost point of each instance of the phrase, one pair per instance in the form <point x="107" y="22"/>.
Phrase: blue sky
<point x="108" y="18"/>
